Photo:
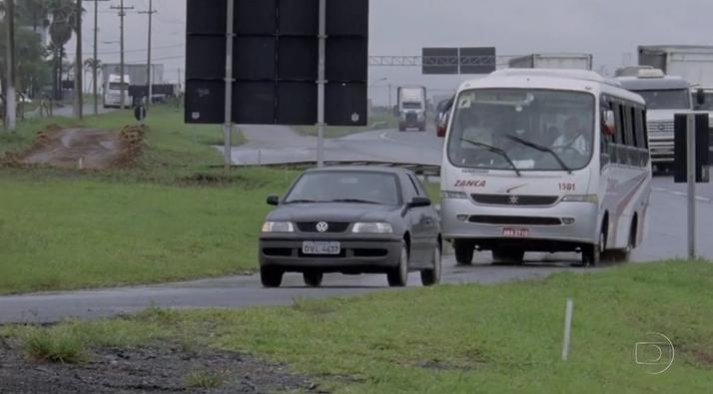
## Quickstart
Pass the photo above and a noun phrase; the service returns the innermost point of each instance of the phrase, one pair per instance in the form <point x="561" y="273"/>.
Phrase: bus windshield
<point x="666" y="99"/>
<point x="522" y="130"/>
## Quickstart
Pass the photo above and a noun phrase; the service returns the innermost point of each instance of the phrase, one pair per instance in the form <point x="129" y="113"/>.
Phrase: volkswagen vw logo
<point x="322" y="227"/>
<point x="514" y="200"/>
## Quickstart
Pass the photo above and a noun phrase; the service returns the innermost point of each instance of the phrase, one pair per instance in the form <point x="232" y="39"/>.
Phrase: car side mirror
<point x="700" y="97"/>
<point x="273" y="200"/>
<point x="420" y="202"/>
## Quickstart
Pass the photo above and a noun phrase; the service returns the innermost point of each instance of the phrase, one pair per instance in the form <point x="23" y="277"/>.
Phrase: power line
<point x="122" y="14"/>
<point x="150" y="13"/>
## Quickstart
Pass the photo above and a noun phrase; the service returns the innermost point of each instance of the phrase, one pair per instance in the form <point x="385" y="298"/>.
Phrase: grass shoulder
<point x="461" y="339"/>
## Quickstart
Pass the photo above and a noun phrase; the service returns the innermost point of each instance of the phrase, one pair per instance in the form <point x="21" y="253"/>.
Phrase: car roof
<point x="378" y="169"/>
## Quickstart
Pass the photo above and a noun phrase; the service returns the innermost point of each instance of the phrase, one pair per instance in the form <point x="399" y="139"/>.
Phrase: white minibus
<point x="545" y="161"/>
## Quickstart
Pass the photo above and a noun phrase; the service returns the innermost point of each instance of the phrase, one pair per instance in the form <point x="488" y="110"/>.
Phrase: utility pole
<point x="10" y="103"/>
<point x="149" y="81"/>
<point x="78" y="66"/>
<point x="95" y="65"/>
<point x="122" y="14"/>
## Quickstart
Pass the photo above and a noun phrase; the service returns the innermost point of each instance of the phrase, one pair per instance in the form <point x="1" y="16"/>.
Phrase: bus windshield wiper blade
<point x="494" y="150"/>
<point x="541" y="148"/>
<point x="355" y="201"/>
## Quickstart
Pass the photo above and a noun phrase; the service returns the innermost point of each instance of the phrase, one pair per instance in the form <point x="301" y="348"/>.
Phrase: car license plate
<point x="321" y="248"/>
<point x="516" y="232"/>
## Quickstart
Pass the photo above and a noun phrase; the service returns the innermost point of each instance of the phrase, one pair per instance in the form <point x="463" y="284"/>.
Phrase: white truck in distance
<point x="112" y="91"/>
<point x="692" y="63"/>
<point x="664" y="96"/>
<point x="573" y="61"/>
<point x="411" y="107"/>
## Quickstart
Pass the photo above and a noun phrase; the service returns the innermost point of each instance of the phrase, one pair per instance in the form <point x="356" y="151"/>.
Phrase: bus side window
<point x="616" y="151"/>
<point x="629" y="140"/>
<point x="606" y="138"/>
<point x="642" y="142"/>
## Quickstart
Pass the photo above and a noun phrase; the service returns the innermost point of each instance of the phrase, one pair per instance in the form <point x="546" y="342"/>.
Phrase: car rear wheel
<point x="398" y="276"/>
<point x="464" y="252"/>
<point x="431" y="277"/>
<point x="509" y="256"/>
<point x="313" y="278"/>
<point x="270" y="276"/>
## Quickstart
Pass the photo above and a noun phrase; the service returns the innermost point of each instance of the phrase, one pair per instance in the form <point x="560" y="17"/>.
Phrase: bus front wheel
<point x="592" y="254"/>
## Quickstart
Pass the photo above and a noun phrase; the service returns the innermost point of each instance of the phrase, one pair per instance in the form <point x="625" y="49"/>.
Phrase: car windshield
<point x="345" y="186"/>
<point x="666" y="99"/>
<point x="412" y="105"/>
<point x="522" y="130"/>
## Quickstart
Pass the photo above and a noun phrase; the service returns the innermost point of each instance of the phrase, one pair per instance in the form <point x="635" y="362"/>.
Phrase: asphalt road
<point x="666" y="240"/>
<point x="280" y="145"/>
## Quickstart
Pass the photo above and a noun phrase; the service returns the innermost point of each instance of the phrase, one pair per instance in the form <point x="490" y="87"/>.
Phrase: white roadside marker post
<point x="567" y="329"/>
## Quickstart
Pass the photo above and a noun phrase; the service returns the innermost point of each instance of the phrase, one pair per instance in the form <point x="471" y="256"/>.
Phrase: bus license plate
<point x="516" y="232"/>
<point x="321" y="248"/>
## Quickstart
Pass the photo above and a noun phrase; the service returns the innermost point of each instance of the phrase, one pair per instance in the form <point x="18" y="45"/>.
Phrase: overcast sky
<point x="609" y="29"/>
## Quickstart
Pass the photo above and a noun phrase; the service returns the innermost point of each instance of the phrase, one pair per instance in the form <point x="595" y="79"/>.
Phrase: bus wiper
<point x="494" y="150"/>
<point x="541" y="148"/>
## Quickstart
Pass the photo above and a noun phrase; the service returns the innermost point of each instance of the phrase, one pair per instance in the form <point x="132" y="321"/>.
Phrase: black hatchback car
<point x="352" y="220"/>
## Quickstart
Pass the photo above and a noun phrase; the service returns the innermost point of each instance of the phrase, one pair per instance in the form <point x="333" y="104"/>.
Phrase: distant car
<point x="442" y="117"/>
<point x="352" y="220"/>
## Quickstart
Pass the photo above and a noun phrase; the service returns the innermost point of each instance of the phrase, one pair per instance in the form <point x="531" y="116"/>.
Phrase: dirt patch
<point x="161" y="368"/>
<point x="85" y="149"/>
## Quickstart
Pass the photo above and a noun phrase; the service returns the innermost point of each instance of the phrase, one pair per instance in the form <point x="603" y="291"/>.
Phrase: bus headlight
<point x="454" y="195"/>
<point x="590" y="198"/>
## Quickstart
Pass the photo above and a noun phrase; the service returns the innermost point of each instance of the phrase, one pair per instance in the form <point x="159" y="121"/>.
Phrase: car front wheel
<point x="270" y="277"/>
<point x="313" y="278"/>
<point x="398" y="276"/>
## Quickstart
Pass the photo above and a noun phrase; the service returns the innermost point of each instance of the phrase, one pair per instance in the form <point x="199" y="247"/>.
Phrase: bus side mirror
<point x="609" y="123"/>
<point x="396" y="111"/>
<point x="700" y="97"/>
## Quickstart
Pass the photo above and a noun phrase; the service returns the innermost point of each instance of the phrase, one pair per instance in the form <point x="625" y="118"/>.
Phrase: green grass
<point x="173" y="216"/>
<point x="376" y="122"/>
<point x="204" y="380"/>
<point x="76" y="233"/>
<point x="58" y="346"/>
<point x="469" y="339"/>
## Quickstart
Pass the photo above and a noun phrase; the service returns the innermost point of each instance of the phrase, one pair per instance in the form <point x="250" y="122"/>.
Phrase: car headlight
<point x="454" y="195"/>
<point x="278" y="227"/>
<point x="590" y="198"/>
<point x="372" y="228"/>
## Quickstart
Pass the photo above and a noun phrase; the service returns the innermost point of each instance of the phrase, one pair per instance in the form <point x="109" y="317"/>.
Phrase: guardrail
<point x="424" y="170"/>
